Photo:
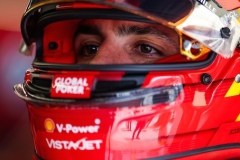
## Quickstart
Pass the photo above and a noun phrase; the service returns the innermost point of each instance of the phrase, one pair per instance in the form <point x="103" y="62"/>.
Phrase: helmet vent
<point x="42" y="83"/>
<point x="102" y="86"/>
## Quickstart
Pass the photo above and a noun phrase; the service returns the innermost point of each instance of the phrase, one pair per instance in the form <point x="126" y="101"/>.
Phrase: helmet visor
<point x="169" y="10"/>
<point x="104" y="41"/>
<point x="201" y="25"/>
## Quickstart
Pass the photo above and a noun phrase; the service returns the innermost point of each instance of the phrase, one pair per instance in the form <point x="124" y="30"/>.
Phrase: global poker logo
<point x="71" y="86"/>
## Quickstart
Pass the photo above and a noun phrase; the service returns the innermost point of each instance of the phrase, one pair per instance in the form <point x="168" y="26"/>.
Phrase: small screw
<point x="206" y="78"/>
<point x="237" y="78"/>
<point x="225" y="32"/>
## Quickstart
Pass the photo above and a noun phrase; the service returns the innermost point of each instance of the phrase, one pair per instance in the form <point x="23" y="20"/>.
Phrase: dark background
<point x="15" y="135"/>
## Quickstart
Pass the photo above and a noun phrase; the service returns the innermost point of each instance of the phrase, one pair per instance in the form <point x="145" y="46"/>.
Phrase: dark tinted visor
<point x="168" y="10"/>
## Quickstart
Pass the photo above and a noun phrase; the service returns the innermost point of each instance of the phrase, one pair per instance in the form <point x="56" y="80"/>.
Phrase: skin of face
<point x="99" y="41"/>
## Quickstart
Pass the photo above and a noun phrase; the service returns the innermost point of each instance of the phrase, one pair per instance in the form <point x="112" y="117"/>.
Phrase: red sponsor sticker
<point x="229" y="4"/>
<point x="71" y="86"/>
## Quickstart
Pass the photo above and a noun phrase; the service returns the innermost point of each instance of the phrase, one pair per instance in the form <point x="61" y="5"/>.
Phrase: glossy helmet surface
<point x="183" y="106"/>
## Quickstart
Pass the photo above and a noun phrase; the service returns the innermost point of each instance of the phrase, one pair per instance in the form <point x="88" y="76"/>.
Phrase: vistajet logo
<point x="81" y="144"/>
<point x="74" y="129"/>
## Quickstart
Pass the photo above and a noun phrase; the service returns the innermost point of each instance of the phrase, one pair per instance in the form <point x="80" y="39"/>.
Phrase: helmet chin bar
<point x="132" y="97"/>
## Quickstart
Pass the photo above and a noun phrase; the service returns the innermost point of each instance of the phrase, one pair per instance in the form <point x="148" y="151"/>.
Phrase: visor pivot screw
<point x="237" y="78"/>
<point x="225" y="32"/>
<point x="206" y="78"/>
<point x="52" y="45"/>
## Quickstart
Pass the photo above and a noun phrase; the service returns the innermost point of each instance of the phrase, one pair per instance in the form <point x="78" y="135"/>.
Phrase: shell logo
<point x="49" y="125"/>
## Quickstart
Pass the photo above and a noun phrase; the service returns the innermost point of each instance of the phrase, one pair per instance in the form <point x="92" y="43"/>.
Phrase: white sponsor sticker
<point x="69" y="128"/>
<point x="81" y="144"/>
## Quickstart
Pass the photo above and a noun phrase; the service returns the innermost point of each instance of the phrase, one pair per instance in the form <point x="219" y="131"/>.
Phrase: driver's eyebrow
<point x="89" y="29"/>
<point x="124" y="30"/>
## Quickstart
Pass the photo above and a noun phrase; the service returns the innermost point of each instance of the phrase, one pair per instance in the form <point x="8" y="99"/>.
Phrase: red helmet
<point x="185" y="105"/>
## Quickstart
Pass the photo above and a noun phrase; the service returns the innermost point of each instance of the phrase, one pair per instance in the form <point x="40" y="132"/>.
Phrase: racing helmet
<point x="185" y="105"/>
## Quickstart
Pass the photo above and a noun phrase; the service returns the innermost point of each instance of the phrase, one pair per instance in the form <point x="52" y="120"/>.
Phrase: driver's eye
<point x="88" y="50"/>
<point x="145" y="48"/>
<point x="148" y="50"/>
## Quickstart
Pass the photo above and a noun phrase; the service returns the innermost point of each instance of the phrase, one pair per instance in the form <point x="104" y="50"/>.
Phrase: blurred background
<point x="15" y="136"/>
